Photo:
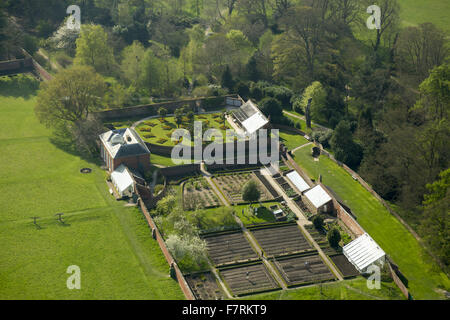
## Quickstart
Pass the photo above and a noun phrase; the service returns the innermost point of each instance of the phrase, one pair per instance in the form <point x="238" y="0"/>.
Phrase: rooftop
<point x="250" y="117"/>
<point x="318" y="196"/>
<point x="362" y="252"/>
<point x="124" y="143"/>
<point x="298" y="181"/>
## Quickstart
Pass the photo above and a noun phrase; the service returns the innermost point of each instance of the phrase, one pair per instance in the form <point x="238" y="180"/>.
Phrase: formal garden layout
<point x="88" y="184"/>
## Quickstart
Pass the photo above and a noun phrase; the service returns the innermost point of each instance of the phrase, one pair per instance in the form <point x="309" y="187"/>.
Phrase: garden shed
<point x="364" y="252"/>
<point x="318" y="200"/>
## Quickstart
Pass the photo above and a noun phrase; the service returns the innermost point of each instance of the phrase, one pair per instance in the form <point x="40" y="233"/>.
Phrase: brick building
<point x="124" y="146"/>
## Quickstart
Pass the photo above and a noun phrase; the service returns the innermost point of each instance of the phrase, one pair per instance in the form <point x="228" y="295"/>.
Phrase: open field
<point x="110" y="243"/>
<point x="355" y="289"/>
<point x="414" y="12"/>
<point x="423" y="274"/>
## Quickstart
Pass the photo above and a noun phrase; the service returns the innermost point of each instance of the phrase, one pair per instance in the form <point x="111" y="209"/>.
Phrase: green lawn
<point x="248" y="218"/>
<point x="355" y="289"/>
<point x="414" y="12"/>
<point x="423" y="275"/>
<point x="110" y="243"/>
<point x="292" y="140"/>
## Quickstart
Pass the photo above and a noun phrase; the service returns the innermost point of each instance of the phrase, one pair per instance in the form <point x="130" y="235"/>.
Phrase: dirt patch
<point x="345" y="267"/>
<point x="229" y="248"/>
<point x="299" y="270"/>
<point x="281" y="240"/>
<point x="249" y="279"/>
<point x="204" y="286"/>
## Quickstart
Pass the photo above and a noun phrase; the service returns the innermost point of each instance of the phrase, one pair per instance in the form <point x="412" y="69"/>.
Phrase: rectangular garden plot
<point x="281" y="240"/>
<point x="345" y="267"/>
<point x="300" y="270"/>
<point x="204" y="286"/>
<point x="231" y="186"/>
<point x="198" y="194"/>
<point x="229" y="248"/>
<point x="248" y="279"/>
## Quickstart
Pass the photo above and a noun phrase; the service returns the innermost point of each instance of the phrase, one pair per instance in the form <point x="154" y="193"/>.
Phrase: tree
<point x="162" y="112"/>
<point x="435" y="225"/>
<point x="318" y="95"/>
<point x="250" y="192"/>
<point x="345" y="149"/>
<point x="227" y="79"/>
<point x="334" y="237"/>
<point x="388" y="21"/>
<point x="93" y="49"/>
<point x="70" y="96"/>
<point x="435" y="94"/>
<point x="318" y="222"/>
<point x="132" y="63"/>
<point x="421" y="48"/>
<point x="271" y="107"/>
<point x="179" y="116"/>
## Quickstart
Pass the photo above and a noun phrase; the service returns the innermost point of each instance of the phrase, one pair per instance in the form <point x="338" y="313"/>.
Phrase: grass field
<point x="355" y="289"/>
<point x="425" y="278"/>
<point x="110" y="243"/>
<point x="414" y="12"/>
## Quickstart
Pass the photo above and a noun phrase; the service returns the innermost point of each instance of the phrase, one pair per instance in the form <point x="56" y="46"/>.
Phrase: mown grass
<point x="355" y="289"/>
<point x="109" y="242"/>
<point x="425" y="278"/>
<point x="415" y="12"/>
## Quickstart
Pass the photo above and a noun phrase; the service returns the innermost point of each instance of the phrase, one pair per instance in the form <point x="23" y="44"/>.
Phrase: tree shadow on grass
<point x="19" y="86"/>
<point x="64" y="141"/>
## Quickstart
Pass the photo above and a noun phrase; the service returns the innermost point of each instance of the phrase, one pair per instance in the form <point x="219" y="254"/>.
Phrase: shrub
<point x="318" y="222"/>
<point x="166" y="127"/>
<point x="334" y="236"/>
<point x="161" y="141"/>
<point x="158" y="188"/>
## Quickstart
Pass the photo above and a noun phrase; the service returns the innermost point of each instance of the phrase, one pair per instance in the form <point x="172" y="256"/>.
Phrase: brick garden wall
<point x="180" y="278"/>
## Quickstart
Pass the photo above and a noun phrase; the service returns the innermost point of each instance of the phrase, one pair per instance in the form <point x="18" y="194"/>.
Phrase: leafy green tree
<point x="227" y="79"/>
<point x="250" y="192"/>
<point x="271" y="107"/>
<point x="179" y="116"/>
<point x="318" y="222"/>
<point x="132" y="63"/>
<point x="93" y="49"/>
<point x="70" y="96"/>
<point x="162" y="112"/>
<point x="334" y="237"/>
<point x="317" y="93"/>
<point x="436" y="220"/>
<point x="345" y="149"/>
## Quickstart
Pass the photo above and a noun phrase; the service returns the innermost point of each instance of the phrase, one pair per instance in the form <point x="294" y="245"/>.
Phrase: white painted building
<point x="298" y="181"/>
<point x="123" y="181"/>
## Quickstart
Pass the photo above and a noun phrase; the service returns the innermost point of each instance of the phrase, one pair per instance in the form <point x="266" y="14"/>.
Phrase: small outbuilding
<point x="123" y="181"/>
<point x="318" y="200"/>
<point x="364" y="252"/>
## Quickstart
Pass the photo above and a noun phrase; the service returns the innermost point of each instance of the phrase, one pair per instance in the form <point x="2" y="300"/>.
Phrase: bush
<point x="158" y="188"/>
<point x="334" y="236"/>
<point x="318" y="222"/>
